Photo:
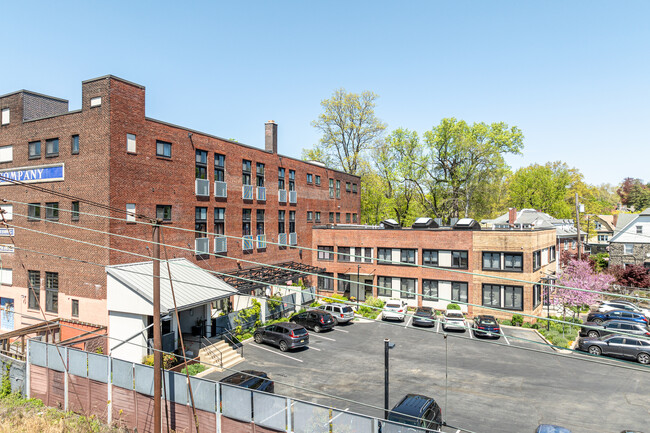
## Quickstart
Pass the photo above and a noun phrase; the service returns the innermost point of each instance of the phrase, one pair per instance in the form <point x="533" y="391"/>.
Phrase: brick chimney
<point x="271" y="137"/>
<point x="512" y="215"/>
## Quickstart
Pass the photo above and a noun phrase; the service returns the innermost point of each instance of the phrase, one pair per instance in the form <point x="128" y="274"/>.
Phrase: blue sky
<point x="572" y="75"/>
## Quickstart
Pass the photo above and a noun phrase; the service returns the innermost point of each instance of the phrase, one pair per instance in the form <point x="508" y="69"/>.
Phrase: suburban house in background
<point x="603" y="225"/>
<point x="630" y="244"/>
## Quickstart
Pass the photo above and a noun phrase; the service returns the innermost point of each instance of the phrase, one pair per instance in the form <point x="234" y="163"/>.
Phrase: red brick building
<point x="111" y="153"/>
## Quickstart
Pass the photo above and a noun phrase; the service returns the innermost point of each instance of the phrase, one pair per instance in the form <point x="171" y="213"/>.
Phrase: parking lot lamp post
<point x="387" y="346"/>
<point x="446" y="378"/>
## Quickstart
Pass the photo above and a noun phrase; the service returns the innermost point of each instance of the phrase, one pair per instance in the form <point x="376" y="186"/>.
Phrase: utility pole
<point x="157" y="337"/>
<point x="578" y="226"/>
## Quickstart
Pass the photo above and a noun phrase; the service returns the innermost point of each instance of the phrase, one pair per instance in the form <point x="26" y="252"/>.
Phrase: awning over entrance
<point x="247" y="280"/>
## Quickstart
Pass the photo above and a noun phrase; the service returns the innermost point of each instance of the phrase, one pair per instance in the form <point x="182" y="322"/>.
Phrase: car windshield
<point x="347" y="309"/>
<point x="404" y="419"/>
<point x="392" y="305"/>
<point x="300" y="331"/>
<point x="488" y="322"/>
<point x="454" y="315"/>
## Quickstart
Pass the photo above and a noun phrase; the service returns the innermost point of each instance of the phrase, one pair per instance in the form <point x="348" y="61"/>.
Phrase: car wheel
<point x="335" y="320"/>
<point x="643" y="358"/>
<point x="317" y="329"/>
<point x="283" y="346"/>
<point x="598" y="321"/>
<point x="258" y="338"/>
<point x="594" y="350"/>
<point x="593" y="334"/>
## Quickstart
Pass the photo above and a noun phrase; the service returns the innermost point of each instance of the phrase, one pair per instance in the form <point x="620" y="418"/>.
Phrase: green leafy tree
<point x="541" y="187"/>
<point x="349" y="127"/>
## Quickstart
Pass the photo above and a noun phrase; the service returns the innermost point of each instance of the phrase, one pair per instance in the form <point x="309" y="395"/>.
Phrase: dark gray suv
<point x="593" y="329"/>
<point x="617" y="346"/>
<point x="285" y="335"/>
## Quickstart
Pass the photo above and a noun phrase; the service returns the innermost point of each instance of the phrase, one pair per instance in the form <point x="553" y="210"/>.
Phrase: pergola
<point x="247" y="280"/>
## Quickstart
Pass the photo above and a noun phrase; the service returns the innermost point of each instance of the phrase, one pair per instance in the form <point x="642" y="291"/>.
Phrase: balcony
<point x="282" y="195"/>
<point x="293" y="197"/>
<point x="220" y="189"/>
<point x="282" y="239"/>
<point x="247" y="243"/>
<point x="261" y="193"/>
<point x="247" y="192"/>
<point x="220" y="244"/>
<point x="261" y="242"/>
<point x="293" y="239"/>
<point x="202" y="187"/>
<point x="201" y="246"/>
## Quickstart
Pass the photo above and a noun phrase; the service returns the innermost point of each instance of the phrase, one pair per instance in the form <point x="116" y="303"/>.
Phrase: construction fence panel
<point x="176" y="387"/>
<point x="310" y="418"/>
<point x="38" y="353"/>
<point x="57" y="357"/>
<point x="270" y="410"/>
<point x="204" y="392"/>
<point x="78" y="362"/>
<point x="389" y="427"/>
<point x="122" y="373"/>
<point x="344" y="422"/>
<point x="98" y="367"/>
<point x="236" y="403"/>
<point x="144" y="379"/>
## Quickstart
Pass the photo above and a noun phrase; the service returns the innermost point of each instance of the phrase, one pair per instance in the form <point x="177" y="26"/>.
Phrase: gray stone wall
<point x="639" y="256"/>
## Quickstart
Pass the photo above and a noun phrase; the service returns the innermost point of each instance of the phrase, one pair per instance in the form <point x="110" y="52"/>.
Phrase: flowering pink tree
<point x="580" y="275"/>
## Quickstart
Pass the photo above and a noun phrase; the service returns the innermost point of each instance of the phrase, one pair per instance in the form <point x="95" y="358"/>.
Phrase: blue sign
<point x="42" y="173"/>
<point x="6" y="248"/>
<point x="6" y="232"/>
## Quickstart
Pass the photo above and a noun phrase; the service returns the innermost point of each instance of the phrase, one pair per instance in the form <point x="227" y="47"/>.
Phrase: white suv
<point x="453" y="319"/>
<point x="340" y="313"/>
<point x="394" y="309"/>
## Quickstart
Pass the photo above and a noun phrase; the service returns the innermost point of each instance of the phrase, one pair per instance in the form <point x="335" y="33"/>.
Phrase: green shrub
<point x="517" y="320"/>
<point x="453" y="307"/>
<point x="368" y="312"/>
<point x="526" y="325"/>
<point x="505" y="322"/>
<point x="335" y="299"/>
<point x="169" y="360"/>
<point x="5" y="388"/>
<point x="314" y="304"/>
<point x="374" y="302"/>
<point x="245" y="336"/>
<point x="194" y="369"/>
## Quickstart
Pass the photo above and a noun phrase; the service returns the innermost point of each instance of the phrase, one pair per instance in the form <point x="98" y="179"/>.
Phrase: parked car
<point x="424" y="316"/>
<point x="620" y="304"/>
<point x="595" y="330"/>
<point x="453" y="319"/>
<point x="416" y="410"/>
<point x="251" y="379"/>
<point x="340" y="313"/>
<point x="600" y="317"/>
<point x="486" y="326"/>
<point x="394" y="310"/>
<point x="617" y="346"/>
<point x="317" y="320"/>
<point x="549" y="428"/>
<point x="285" y="335"/>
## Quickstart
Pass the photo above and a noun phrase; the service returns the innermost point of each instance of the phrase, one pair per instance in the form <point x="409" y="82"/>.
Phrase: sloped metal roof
<point x="193" y="285"/>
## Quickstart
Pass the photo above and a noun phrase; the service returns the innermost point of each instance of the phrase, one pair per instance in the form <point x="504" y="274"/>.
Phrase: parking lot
<point x="511" y="386"/>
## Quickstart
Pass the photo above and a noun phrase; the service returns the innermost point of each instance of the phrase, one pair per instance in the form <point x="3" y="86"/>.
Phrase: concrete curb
<point x="540" y="336"/>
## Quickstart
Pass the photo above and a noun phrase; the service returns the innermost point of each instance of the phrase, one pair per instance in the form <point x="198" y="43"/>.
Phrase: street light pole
<point x="446" y="377"/>
<point x="578" y="226"/>
<point x="387" y="346"/>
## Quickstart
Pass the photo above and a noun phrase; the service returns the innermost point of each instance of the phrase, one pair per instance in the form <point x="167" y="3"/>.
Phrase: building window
<point x="246" y="172"/>
<point x="331" y="217"/>
<point x="407" y="256"/>
<point x="130" y="143"/>
<point x="513" y="262"/>
<point x="219" y="167"/>
<point x="331" y="185"/>
<point x="34" y="149"/>
<point x="259" y="221"/>
<point x="52" y="147"/>
<point x="537" y="260"/>
<point x="310" y="216"/>
<point x="163" y="149"/>
<point x="200" y="222"/>
<point x="310" y="177"/>
<point x="130" y="212"/>
<point x="338" y="217"/>
<point x="459" y="292"/>
<point x="33" y="211"/>
<point x="354" y="218"/>
<point x="325" y="253"/>
<point x="281" y="172"/>
<point x="74" y="145"/>
<point x="338" y="189"/>
<point x="513" y="298"/>
<point x="343" y="283"/>
<point x="220" y="220"/>
<point x="384" y="256"/>
<point x="598" y="225"/>
<point x="551" y="254"/>
<point x="292" y="180"/>
<point x="317" y="217"/>
<point x="6" y="116"/>
<point x="260" y="174"/>
<point x="459" y="259"/>
<point x="491" y="295"/>
<point x="201" y="164"/>
<point x="430" y="257"/>
<point x="164" y="212"/>
<point x="367" y="253"/>
<point x="354" y="188"/>
<point x="407" y="286"/>
<point x="348" y="187"/>
<point x="96" y="101"/>
<point x="292" y="221"/>
<point x="75" y="308"/>
<point x="628" y="248"/>
<point x="492" y="261"/>
<point x="537" y="295"/>
<point x="52" y="292"/>
<point x="281" y="215"/>
<point x="34" y="282"/>
<point x="566" y="245"/>
<point x="385" y="286"/>
<point x="347" y="218"/>
<point x="344" y="254"/>
<point x="326" y="282"/>
<point x="8" y="211"/>
<point x="429" y="290"/>
<point x="52" y="211"/>
<point x="317" y="180"/>
<point x="639" y="230"/>
<point x="6" y="153"/>
<point x="246" y="222"/>
<point x="603" y="238"/>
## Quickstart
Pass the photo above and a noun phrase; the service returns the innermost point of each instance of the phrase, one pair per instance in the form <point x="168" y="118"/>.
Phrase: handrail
<point x="229" y="337"/>
<point x="209" y="348"/>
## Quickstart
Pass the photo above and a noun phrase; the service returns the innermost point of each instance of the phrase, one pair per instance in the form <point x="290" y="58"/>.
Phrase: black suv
<point x="317" y="320"/>
<point x="284" y="335"/>
<point x="251" y="379"/>
<point x="417" y="410"/>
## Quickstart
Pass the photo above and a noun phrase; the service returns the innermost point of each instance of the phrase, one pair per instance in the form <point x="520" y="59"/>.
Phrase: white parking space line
<point x="504" y="336"/>
<point x="438" y="327"/>
<point x="320" y="336"/>
<point x="469" y="331"/>
<point x="409" y="322"/>
<point x="314" y="348"/>
<point x="341" y="330"/>
<point x="273" y="351"/>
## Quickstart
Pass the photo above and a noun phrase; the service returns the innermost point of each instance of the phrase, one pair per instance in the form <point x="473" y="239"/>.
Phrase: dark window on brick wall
<point x="219" y="167"/>
<point x="52" y="211"/>
<point x="75" y="308"/>
<point x="164" y="212"/>
<point x="52" y="292"/>
<point x="163" y="149"/>
<point x="201" y="165"/>
<point x="34" y="149"/>
<point x="74" y="145"/>
<point x="34" y="282"/>
<point x="52" y="147"/>
<point x="74" y="215"/>
<point x="33" y="211"/>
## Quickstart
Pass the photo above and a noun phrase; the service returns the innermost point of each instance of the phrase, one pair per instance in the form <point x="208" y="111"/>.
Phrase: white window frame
<point x="628" y="249"/>
<point x="96" y="101"/>
<point x="130" y="212"/>
<point x="6" y="116"/>
<point x="7" y="153"/>
<point x="131" y="143"/>
<point x="8" y="211"/>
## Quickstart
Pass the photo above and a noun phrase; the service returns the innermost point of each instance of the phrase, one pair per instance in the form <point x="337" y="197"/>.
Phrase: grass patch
<point x="194" y="369"/>
<point x="559" y="334"/>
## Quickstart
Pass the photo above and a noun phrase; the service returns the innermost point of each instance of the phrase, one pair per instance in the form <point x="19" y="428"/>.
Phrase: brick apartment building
<point x="470" y="263"/>
<point x="111" y="153"/>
